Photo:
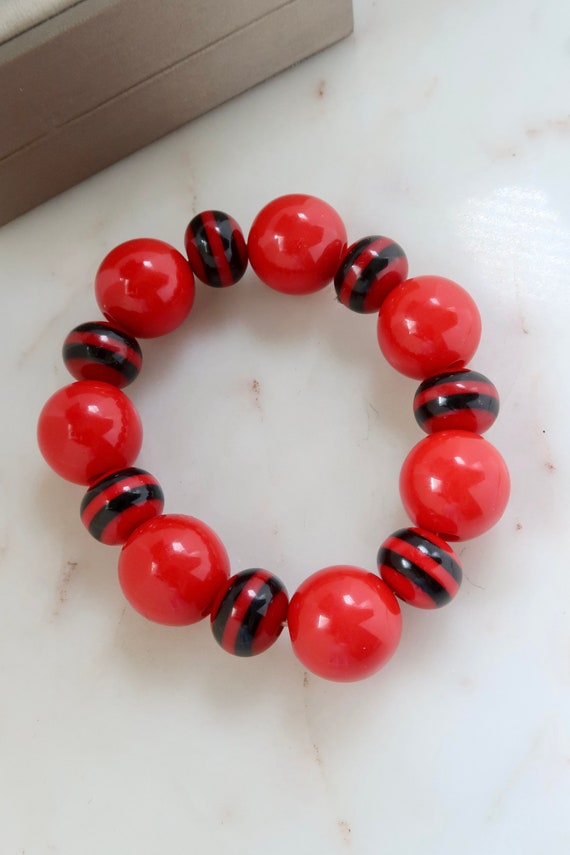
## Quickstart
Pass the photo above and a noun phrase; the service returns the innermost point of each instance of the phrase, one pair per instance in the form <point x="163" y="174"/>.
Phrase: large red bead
<point x="87" y="429"/>
<point x="295" y="244"/>
<point x="145" y="286"/>
<point x="427" y="325"/>
<point x="172" y="568"/>
<point x="454" y="483"/>
<point x="344" y="622"/>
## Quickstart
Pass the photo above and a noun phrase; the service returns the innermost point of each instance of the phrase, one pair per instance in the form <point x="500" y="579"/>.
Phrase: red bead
<point x="118" y="503"/>
<point x="344" y="622"/>
<point x="145" y="286"/>
<point x="427" y="325"/>
<point x="296" y="243"/>
<point x="249" y="613"/>
<point x="98" y="351"/>
<point x="455" y="484"/>
<point x="88" y="429"/>
<point x="172" y="568"/>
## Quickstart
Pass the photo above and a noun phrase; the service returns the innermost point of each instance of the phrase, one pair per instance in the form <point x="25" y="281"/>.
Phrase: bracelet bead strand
<point x="344" y="622"/>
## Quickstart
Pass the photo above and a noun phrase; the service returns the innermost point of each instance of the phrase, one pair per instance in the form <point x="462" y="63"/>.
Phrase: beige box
<point x="101" y="78"/>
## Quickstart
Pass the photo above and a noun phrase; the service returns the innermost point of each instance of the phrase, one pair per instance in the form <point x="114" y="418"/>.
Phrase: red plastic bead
<point x="216" y="248"/>
<point x="428" y="325"/>
<point x="371" y="268"/>
<point x="249" y="613"/>
<point x="295" y="244"/>
<point x="344" y="622"/>
<point x="455" y="484"/>
<point x="172" y="568"/>
<point x="456" y="400"/>
<point x="87" y="429"/>
<point x="145" y="286"/>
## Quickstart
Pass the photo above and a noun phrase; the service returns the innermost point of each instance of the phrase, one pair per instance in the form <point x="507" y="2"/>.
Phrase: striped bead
<point x="250" y="612"/>
<point x="420" y="568"/>
<point x="372" y="267"/>
<point x="456" y="400"/>
<point x="216" y="248"/>
<point x="98" y="351"/>
<point x="115" y="505"/>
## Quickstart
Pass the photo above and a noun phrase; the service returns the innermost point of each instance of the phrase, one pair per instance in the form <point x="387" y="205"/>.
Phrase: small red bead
<point x="172" y="568"/>
<point x="87" y="429"/>
<point x="119" y="502"/>
<point x="427" y="325"/>
<point x="98" y="351"/>
<point x="454" y="483"/>
<point x="344" y="622"/>
<point x="145" y="286"/>
<point x="295" y="244"/>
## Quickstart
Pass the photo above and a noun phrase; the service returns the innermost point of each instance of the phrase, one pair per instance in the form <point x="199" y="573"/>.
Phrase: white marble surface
<point x="447" y="126"/>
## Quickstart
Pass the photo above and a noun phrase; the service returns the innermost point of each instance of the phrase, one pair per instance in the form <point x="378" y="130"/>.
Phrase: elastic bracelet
<point x="344" y="622"/>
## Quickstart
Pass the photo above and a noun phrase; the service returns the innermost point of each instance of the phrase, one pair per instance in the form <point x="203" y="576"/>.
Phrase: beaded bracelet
<point x="344" y="622"/>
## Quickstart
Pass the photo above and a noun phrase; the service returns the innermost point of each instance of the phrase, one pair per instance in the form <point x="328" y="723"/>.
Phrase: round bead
<point x="371" y="268"/>
<point x="427" y="325"/>
<point x="171" y="569"/>
<point x="344" y="622"/>
<point x="115" y="505"/>
<point x="420" y="567"/>
<point x="296" y="243"/>
<point x="249" y="613"/>
<point x="98" y="351"/>
<point x="456" y="400"/>
<point x="216" y="248"/>
<point x="88" y="429"/>
<point x="454" y="483"/>
<point x="145" y="286"/>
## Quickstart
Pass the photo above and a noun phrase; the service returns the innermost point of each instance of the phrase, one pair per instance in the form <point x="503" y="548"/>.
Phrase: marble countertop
<point x="446" y="126"/>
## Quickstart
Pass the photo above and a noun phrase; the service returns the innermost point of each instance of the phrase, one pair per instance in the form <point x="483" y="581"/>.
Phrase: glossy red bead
<point x="216" y="248"/>
<point x="428" y="325"/>
<point x="344" y="622"/>
<point x="371" y="268"/>
<point x="172" y="568"/>
<point x="88" y="429"/>
<point x="456" y="400"/>
<point x="145" y="286"/>
<point x="296" y="243"/>
<point x="249" y="613"/>
<point x="454" y="483"/>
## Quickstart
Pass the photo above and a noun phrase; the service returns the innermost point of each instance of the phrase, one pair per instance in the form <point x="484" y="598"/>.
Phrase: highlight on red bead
<point x="216" y="248"/>
<point x="171" y="569"/>
<point x="98" y="351"/>
<point x="456" y="400"/>
<point x="249" y="613"/>
<point x="296" y="243"/>
<point x="344" y="623"/>
<point x="454" y="483"/>
<point x="420" y="568"/>
<point x="115" y="505"/>
<point x="371" y="268"/>
<point x="427" y="325"/>
<point x="87" y="429"/>
<point x="145" y="286"/>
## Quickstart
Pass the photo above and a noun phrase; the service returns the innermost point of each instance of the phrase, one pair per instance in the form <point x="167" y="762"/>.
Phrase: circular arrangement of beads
<point x="344" y="622"/>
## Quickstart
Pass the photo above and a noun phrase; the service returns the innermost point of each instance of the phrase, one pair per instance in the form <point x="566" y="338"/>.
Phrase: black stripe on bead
<point x="451" y="377"/>
<point x="367" y="277"/>
<point x="110" y="332"/>
<point x="236" y="263"/>
<point x="220" y="618"/>
<point x="455" y="403"/>
<point x="103" y="356"/>
<point x="129" y="499"/>
<point x="432" y="550"/>
<point x="108" y="481"/>
<point x="254" y="615"/>
<point x="415" y="574"/>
